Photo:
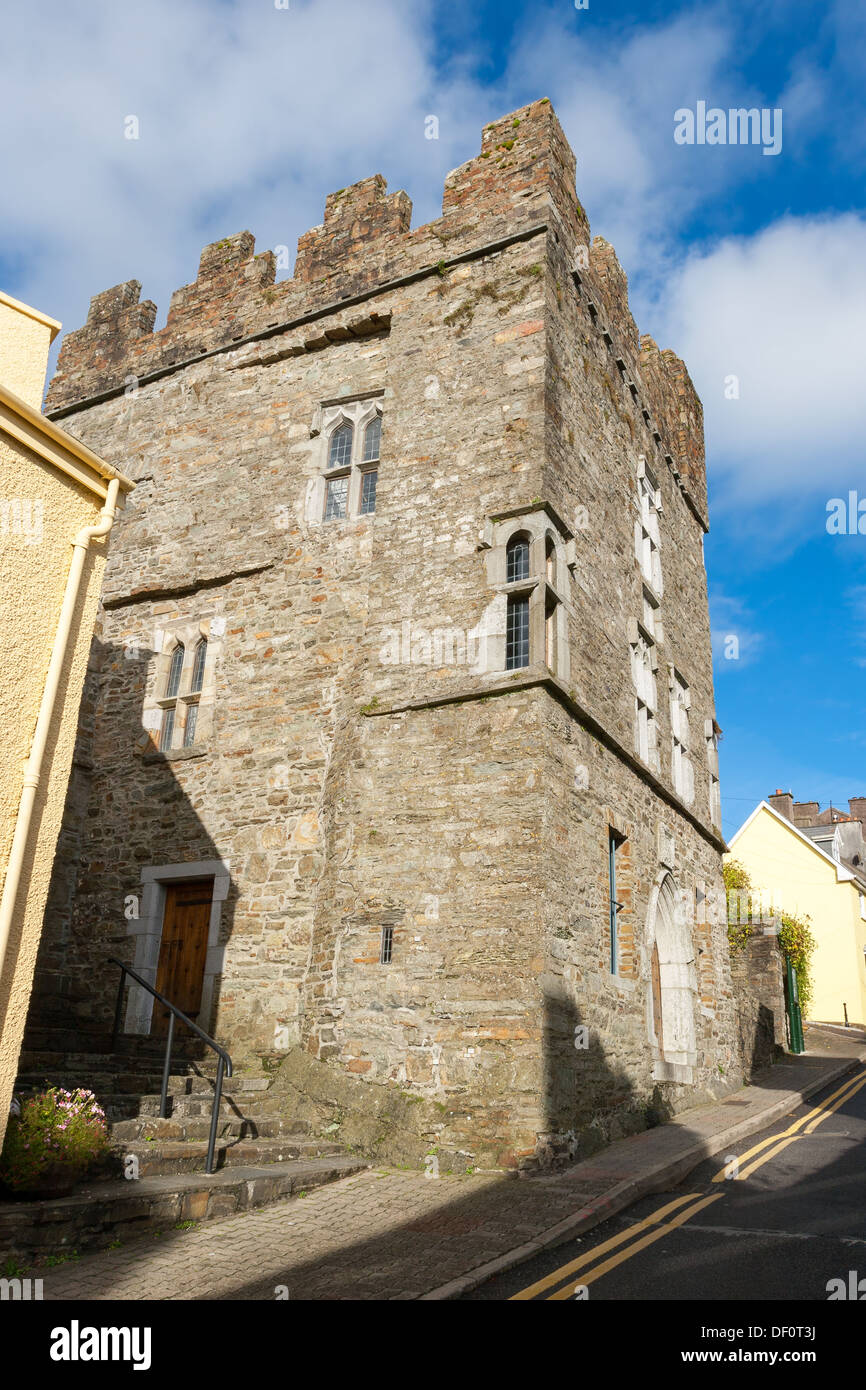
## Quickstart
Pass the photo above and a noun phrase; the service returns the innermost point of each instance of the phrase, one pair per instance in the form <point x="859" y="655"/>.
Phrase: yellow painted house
<point x="57" y="504"/>
<point x="801" y="871"/>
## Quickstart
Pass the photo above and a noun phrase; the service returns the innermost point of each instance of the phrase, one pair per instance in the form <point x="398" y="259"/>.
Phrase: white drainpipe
<point x="33" y="769"/>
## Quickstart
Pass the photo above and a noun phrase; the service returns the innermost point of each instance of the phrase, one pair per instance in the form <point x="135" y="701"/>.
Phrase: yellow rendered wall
<point x="802" y="881"/>
<point x="24" y="347"/>
<point x="41" y="510"/>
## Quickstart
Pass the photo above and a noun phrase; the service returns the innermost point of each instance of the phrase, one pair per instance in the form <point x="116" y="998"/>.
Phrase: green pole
<point x="795" y="1020"/>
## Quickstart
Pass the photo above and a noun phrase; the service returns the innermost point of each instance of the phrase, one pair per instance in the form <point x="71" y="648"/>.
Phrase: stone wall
<point x="757" y="972"/>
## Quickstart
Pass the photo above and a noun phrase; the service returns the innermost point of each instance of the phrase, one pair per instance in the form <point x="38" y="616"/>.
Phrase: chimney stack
<point x="806" y="813"/>
<point x="783" y="802"/>
<point x="857" y="807"/>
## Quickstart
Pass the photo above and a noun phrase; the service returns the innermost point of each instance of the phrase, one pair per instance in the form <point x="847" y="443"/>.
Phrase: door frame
<point x="681" y="974"/>
<point x="147" y="931"/>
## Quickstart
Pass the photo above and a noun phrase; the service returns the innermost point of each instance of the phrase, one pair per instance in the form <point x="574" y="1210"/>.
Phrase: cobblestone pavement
<point x="379" y="1235"/>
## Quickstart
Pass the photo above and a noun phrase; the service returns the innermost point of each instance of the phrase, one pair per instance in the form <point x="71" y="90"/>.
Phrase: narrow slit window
<point x="550" y="562"/>
<point x="550" y="632"/>
<point x="387" y="946"/>
<point x="174" y="672"/>
<point x="614" y="841"/>
<point x="198" y="666"/>
<point x="517" y="632"/>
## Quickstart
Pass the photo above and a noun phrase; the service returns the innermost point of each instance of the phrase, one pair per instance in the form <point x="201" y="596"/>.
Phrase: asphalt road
<point x="791" y="1220"/>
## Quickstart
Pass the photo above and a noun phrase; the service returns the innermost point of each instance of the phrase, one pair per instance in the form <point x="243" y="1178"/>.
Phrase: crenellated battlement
<point x="676" y="406"/>
<point x="523" y="178"/>
<point x="664" y="388"/>
<point x="524" y="173"/>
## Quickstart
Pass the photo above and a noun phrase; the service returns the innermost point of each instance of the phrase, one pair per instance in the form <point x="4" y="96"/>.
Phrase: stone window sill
<point x="176" y="755"/>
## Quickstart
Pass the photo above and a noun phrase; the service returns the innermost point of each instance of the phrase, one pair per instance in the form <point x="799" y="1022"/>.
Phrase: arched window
<point x="172" y="685"/>
<point x="199" y="659"/>
<point x="339" y="457"/>
<point x="340" y="449"/>
<point x="517" y="559"/>
<point x="674" y="982"/>
<point x="372" y="440"/>
<point x="517" y="609"/>
<point x="528" y="565"/>
<point x="351" y="435"/>
<point x="369" y="474"/>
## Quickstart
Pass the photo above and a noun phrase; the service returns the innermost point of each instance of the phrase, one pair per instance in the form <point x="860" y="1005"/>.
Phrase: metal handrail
<point x="224" y="1063"/>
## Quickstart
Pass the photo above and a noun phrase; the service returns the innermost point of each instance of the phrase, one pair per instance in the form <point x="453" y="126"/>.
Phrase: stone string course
<point x="474" y="825"/>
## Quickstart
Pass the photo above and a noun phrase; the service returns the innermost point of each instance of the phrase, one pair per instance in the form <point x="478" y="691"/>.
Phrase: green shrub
<point x="58" y="1133"/>
<point x="798" y="943"/>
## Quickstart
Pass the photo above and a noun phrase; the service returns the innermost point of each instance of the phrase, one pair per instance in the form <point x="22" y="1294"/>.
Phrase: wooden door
<point x="657" y="999"/>
<point x="182" y="953"/>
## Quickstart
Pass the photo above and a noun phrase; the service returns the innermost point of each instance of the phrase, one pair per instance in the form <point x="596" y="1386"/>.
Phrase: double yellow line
<point x="781" y="1141"/>
<point x="657" y="1219"/>
<point x="643" y="1233"/>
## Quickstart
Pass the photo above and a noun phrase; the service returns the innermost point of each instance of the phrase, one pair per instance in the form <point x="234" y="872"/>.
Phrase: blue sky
<point x="748" y="265"/>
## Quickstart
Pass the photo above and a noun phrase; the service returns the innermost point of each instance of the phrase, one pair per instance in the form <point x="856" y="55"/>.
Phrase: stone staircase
<point x="261" y="1154"/>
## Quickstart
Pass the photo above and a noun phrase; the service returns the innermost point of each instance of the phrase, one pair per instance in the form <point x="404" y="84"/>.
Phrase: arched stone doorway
<point x="673" y="991"/>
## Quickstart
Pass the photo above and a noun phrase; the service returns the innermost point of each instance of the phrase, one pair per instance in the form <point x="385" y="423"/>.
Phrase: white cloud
<point x="783" y="312"/>
<point x="616" y="97"/>
<point x="249" y="116"/>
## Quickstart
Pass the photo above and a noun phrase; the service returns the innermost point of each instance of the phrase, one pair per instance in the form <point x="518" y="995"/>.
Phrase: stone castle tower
<point x="399" y="745"/>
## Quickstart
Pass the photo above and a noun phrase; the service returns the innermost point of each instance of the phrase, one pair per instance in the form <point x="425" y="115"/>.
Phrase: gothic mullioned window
<point x="172" y="686"/>
<point x="644" y="663"/>
<point x="353" y="438"/>
<point x="184" y="686"/>
<point x="527" y="624"/>
<point x="198" y="666"/>
<point x="682" y="771"/>
<point x="647" y="537"/>
<point x="712" y="734"/>
<point x="370" y="465"/>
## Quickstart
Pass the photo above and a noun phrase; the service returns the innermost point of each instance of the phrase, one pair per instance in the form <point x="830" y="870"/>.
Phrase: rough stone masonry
<point x="435" y="511"/>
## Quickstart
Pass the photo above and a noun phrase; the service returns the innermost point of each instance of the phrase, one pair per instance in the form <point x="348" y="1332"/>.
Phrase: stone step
<point x="66" y="1037"/>
<point x="140" y="1083"/>
<point x="182" y="1108"/>
<point x="122" y="1060"/>
<point x="100" y="1214"/>
<point x="164" y="1156"/>
<point x="93" y="1062"/>
<point x="146" y="1127"/>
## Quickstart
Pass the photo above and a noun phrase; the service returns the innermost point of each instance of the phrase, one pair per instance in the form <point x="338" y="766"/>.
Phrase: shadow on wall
<point x="588" y="1098"/>
<point x="757" y="974"/>
<point x="136" y="875"/>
